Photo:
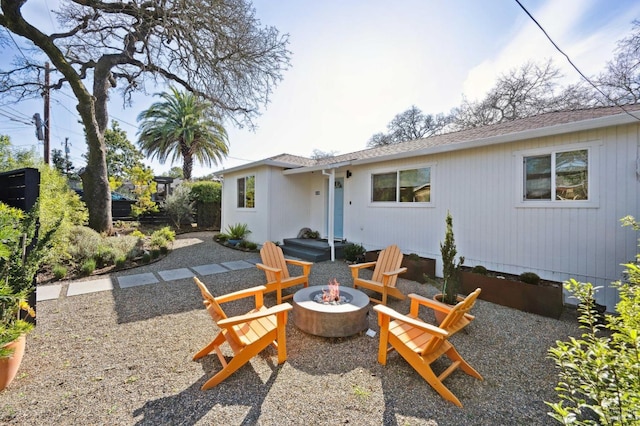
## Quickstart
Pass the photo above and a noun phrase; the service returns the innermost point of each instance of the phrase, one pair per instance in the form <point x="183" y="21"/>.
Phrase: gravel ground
<point x="123" y="357"/>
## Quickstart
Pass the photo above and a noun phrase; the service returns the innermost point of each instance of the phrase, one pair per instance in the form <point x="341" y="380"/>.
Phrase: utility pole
<point x="66" y="155"/>
<point x="47" y="134"/>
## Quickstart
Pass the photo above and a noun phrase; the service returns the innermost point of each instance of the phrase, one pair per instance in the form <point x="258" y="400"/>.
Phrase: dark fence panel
<point x="21" y="189"/>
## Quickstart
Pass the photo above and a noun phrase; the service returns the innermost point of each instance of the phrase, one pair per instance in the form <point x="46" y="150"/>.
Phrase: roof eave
<point x="266" y="162"/>
<point x="564" y="128"/>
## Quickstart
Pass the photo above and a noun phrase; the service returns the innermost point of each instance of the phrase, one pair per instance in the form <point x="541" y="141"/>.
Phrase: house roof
<point x="552" y="123"/>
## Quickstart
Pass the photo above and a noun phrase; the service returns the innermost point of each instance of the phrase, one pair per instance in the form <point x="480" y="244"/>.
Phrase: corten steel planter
<point x="418" y="268"/>
<point x="545" y="300"/>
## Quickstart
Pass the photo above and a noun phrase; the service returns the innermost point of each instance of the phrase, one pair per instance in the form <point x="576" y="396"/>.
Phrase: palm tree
<point x="181" y="126"/>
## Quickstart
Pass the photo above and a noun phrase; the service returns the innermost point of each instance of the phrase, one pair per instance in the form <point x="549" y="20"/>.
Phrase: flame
<point x="333" y="294"/>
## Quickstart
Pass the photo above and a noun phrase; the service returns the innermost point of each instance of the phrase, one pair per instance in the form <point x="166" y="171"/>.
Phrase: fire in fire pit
<point x="331" y="296"/>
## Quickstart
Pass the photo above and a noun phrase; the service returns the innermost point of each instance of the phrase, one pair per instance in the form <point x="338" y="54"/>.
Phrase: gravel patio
<point x="123" y="357"/>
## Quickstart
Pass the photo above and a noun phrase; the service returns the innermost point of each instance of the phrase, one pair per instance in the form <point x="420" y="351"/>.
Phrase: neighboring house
<point x="542" y="194"/>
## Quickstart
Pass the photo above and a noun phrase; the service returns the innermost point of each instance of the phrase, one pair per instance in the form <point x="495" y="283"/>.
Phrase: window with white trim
<point x="402" y="186"/>
<point x="247" y="192"/>
<point x="560" y="176"/>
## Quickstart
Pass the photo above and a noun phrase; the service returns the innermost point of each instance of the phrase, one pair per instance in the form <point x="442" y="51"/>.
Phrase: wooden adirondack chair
<point x="420" y="344"/>
<point x="385" y="274"/>
<point x="275" y="268"/>
<point x="248" y="334"/>
<point x="451" y="323"/>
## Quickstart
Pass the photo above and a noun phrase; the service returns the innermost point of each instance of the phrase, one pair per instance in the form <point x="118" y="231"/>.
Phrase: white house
<point x="542" y="194"/>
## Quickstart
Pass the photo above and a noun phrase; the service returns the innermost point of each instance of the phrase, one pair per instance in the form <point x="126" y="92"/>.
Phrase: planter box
<point x="545" y="300"/>
<point x="416" y="269"/>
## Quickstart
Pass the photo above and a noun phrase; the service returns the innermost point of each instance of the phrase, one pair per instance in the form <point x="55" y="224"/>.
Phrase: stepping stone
<point x="137" y="279"/>
<point x="237" y="264"/>
<point x="175" y="274"/>
<point x="48" y="292"/>
<point x="210" y="269"/>
<point x="93" y="286"/>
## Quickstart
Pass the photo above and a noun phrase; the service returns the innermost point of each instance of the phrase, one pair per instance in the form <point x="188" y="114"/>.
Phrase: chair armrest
<point x="355" y="269"/>
<point x="362" y="265"/>
<point x="268" y="268"/>
<point x="298" y="262"/>
<point x="306" y="266"/>
<point x="396" y="272"/>
<point x="241" y="294"/>
<point x="241" y="319"/>
<point x="431" y="329"/>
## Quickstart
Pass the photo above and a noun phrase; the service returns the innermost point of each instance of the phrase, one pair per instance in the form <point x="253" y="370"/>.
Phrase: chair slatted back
<point x="213" y="307"/>
<point x="272" y="256"/>
<point x="389" y="259"/>
<point x="452" y="322"/>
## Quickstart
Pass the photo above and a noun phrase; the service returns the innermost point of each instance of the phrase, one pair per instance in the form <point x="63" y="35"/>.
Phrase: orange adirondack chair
<point x="385" y="274"/>
<point x="276" y="270"/>
<point x="248" y="334"/>
<point x="420" y="344"/>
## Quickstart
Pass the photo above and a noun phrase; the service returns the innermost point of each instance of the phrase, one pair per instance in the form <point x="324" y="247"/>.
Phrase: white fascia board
<point x="318" y="167"/>
<point x="255" y="164"/>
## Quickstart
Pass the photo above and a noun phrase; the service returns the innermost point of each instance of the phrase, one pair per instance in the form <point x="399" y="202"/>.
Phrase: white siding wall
<point x="479" y="188"/>
<point x="282" y="204"/>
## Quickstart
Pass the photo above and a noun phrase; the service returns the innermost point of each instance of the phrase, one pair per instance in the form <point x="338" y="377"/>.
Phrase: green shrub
<point x="59" y="272"/>
<point x="529" y="278"/>
<point x="146" y="257"/>
<point x="222" y="238"/>
<point x="158" y="241"/>
<point x="237" y="231"/>
<point x="353" y="251"/>
<point x="166" y="232"/>
<point x="599" y="374"/>
<point x="164" y="249"/>
<point x="87" y="267"/>
<point x="179" y="206"/>
<point x="413" y="256"/>
<point x="121" y="245"/>
<point x="137" y="233"/>
<point x="121" y="261"/>
<point x="206" y="191"/>
<point x="479" y="269"/>
<point x="155" y="253"/>
<point x="248" y="245"/>
<point x="84" y="243"/>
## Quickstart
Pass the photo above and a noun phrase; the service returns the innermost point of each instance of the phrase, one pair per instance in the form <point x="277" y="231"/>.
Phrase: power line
<point x="574" y="65"/>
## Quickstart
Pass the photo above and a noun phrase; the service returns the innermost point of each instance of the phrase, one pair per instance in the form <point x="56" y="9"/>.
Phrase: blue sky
<point x="356" y="64"/>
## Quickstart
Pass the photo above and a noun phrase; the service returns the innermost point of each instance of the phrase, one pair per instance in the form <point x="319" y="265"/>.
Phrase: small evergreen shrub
<point x="146" y="258"/>
<point x="353" y="251"/>
<point x="529" y="278"/>
<point x="138" y="234"/>
<point x="158" y="241"/>
<point x="166" y="232"/>
<point x="121" y="261"/>
<point x="87" y="267"/>
<point x="479" y="269"/>
<point x="155" y="253"/>
<point x="164" y="249"/>
<point x="59" y="271"/>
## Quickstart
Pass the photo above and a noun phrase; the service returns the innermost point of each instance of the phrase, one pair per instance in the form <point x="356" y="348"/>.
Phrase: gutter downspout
<point x="330" y="212"/>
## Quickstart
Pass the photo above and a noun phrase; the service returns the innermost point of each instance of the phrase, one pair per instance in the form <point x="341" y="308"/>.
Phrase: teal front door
<point x="338" y="209"/>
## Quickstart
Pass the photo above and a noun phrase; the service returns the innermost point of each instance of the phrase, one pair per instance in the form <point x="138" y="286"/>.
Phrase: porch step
<point x="311" y="250"/>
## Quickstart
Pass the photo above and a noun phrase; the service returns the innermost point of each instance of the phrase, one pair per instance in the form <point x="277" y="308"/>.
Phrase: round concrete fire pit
<point x="329" y="320"/>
